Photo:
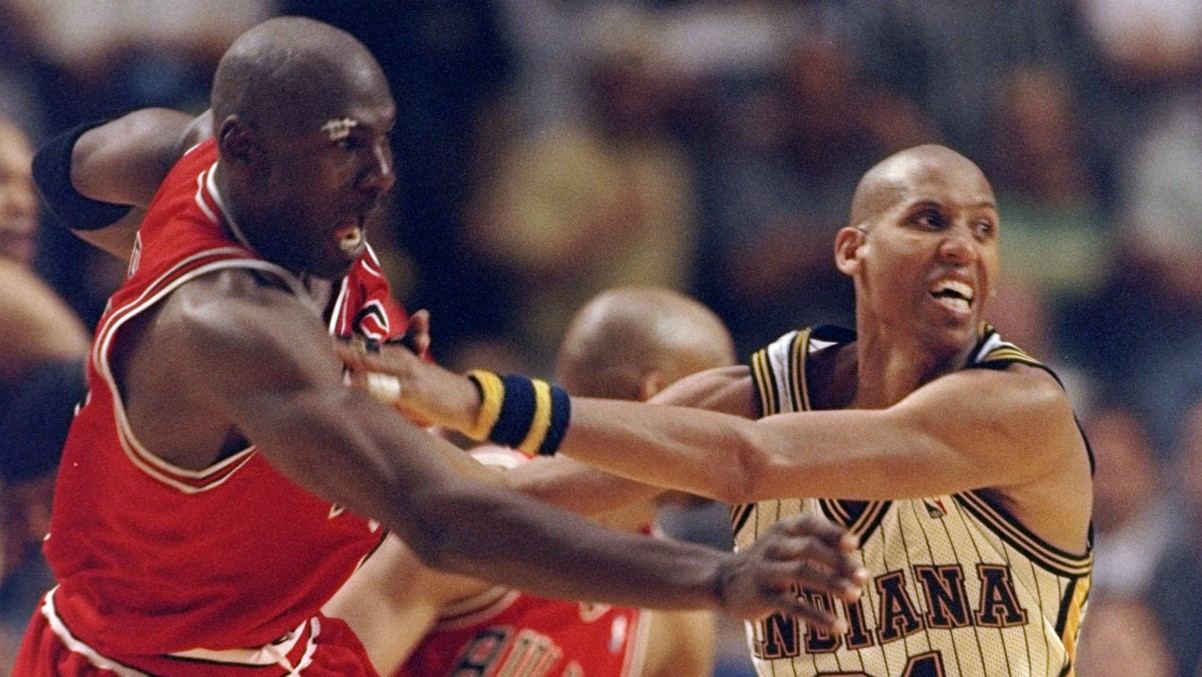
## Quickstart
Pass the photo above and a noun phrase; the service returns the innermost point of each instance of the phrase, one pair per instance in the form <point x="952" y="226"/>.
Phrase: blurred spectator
<point x="548" y="39"/>
<point x="950" y="56"/>
<point x="19" y="66"/>
<point x="116" y="55"/>
<point x="448" y="64"/>
<point x="776" y="188"/>
<point x="1144" y="327"/>
<point x="1179" y="571"/>
<point x="1134" y="521"/>
<point x="1162" y="194"/>
<point x="1122" y="638"/>
<point x="588" y="206"/>
<point x="42" y="349"/>
<point x="1046" y="191"/>
<point x="1147" y="41"/>
<point x="1146" y="51"/>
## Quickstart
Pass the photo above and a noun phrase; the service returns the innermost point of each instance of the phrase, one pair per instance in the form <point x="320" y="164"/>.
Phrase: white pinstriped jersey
<point x="957" y="586"/>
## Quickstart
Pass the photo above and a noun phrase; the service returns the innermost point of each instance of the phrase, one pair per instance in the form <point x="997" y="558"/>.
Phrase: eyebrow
<point x="338" y="129"/>
<point x="927" y="202"/>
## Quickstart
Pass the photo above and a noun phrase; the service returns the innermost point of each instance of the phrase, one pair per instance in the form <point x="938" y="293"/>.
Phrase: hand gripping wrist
<point x="527" y="414"/>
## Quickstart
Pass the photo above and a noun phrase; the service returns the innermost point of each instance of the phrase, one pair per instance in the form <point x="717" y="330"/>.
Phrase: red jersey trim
<point x="183" y="479"/>
<point x="77" y="645"/>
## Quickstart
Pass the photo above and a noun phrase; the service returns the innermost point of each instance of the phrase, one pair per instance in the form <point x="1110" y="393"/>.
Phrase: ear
<point x="847" y="249"/>
<point x="238" y="141"/>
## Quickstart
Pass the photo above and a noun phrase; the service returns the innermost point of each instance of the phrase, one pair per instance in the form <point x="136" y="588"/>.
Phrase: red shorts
<point x="326" y="647"/>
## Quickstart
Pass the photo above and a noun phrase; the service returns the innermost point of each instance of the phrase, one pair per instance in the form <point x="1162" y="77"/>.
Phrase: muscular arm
<point x="254" y="356"/>
<point x="1011" y="431"/>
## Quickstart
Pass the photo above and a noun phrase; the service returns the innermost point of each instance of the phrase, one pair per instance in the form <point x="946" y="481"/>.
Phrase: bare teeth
<point x="350" y="239"/>
<point x="953" y="291"/>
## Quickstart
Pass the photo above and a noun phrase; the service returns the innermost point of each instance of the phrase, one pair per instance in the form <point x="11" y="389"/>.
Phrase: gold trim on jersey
<point x="956" y="610"/>
<point x="1040" y="552"/>
<point x="861" y="518"/>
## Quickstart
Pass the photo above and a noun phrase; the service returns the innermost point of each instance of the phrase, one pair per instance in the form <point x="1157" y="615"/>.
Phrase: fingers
<point x="816" y="527"/>
<point x="797" y="553"/>
<point x="814" y="567"/>
<point x="821" y="552"/>
<point x="814" y="616"/>
<point x="364" y="355"/>
<point x="417" y="334"/>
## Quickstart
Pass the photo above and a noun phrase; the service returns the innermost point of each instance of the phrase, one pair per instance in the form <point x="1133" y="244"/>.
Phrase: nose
<point x="380" y="175"/>
<point x="959" y="246"/>
<point x="18" y="198"/>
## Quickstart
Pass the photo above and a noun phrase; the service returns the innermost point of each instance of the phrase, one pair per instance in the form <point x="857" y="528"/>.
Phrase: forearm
<point x="704" y="453"/>
<point x="529" y="545"/>
<point x="396" y="473"/>
<point x="576" y="486"/>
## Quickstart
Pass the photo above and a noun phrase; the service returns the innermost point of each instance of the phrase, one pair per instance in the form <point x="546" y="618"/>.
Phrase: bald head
<point x="627" y="343"/>
<point x="291" y="71"/>
<point x="892" y="179"/>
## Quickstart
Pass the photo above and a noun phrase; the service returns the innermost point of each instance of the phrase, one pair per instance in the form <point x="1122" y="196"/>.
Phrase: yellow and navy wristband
<point x="527" y="414"/>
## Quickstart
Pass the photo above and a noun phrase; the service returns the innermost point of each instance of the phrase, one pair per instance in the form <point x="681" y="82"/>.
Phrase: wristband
<point x="52" y="174"/>
<point x="492" y="392"/>
<point x="527" y="414"/>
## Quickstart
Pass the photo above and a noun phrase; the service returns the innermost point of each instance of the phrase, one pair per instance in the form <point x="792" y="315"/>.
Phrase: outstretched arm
<point x="258" y="358"/>
<point x="1006" y="430"/>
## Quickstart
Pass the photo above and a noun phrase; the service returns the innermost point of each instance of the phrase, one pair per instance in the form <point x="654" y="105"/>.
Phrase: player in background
<point x="954" y="456"/>
<point x="627" y="343"/>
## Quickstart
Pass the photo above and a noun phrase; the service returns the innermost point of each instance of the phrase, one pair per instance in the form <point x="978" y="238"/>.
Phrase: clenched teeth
<point x="953" y="293"/>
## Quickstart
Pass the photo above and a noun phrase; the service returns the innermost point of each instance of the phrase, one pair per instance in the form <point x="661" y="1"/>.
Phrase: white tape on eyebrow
<point x="339" y="128"/>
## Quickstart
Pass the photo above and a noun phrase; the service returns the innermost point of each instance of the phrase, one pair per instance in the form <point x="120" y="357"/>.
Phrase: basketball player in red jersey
<point x="220" y="481"/>
<point x="626" y="343"/>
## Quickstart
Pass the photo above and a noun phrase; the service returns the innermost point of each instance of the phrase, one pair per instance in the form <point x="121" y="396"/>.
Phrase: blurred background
<point x="547" y="149"/>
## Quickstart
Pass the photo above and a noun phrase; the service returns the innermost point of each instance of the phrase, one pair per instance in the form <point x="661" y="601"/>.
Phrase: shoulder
<point x="233" y="314"/>
<point x="724" y="389"/>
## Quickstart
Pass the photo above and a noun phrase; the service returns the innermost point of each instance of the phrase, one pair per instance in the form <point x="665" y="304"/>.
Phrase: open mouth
<point x="350" y="236"/>
<point x="953" y="294"/>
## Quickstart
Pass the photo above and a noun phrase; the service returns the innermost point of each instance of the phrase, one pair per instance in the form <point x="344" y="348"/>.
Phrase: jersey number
<point x="926" y="665"/>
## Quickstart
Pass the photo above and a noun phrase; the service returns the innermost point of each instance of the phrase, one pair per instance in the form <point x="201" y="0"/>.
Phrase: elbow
<point x="427" y="526"/>
<point x="447" y="526"/>
<point x="741" y="479"/>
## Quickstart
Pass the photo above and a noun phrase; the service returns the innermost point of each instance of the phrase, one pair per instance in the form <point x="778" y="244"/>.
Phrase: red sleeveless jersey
<point x="154" y="559"/>
<point x="515" y="634"/>
<point x="523" y="635"/>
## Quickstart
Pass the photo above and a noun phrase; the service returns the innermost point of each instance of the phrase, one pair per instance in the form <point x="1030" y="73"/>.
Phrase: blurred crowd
<point x="548" y="149"/>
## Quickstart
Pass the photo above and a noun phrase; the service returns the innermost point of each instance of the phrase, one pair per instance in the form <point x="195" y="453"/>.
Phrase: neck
<point x="890" y="368"/>
<point x="219" y="186"/>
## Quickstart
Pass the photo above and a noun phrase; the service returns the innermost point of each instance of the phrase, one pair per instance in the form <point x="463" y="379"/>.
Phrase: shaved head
<point x="627" y="335"/>
<point x="890" y="179"/>
<point x="292" y="72"/>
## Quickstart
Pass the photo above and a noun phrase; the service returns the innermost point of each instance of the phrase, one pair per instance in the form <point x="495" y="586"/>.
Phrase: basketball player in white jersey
<point x="954" y="456"/>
